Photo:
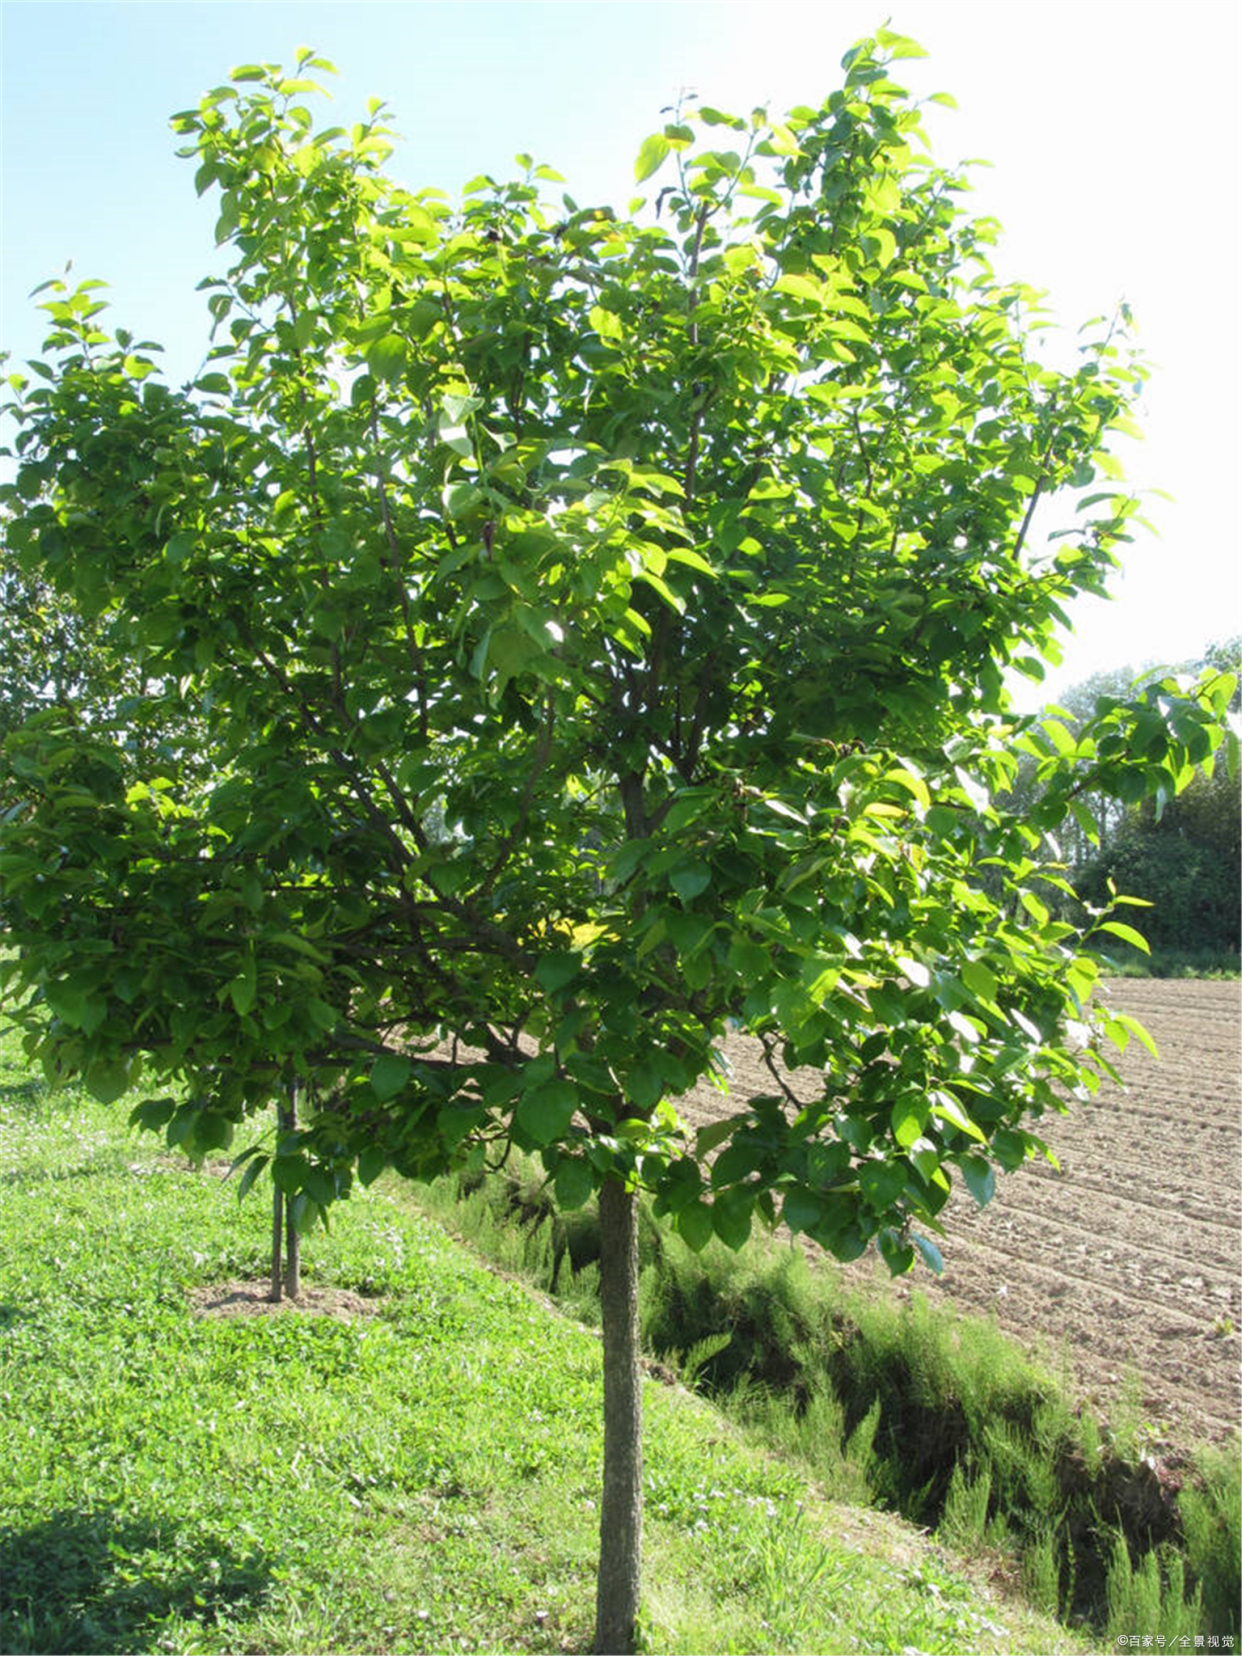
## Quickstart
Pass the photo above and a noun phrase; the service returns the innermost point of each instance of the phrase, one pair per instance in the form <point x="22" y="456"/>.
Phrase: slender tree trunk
<point x="288" y="1117"/>
<point x="621" y="1510"/>
<point x="278" y="1227"/>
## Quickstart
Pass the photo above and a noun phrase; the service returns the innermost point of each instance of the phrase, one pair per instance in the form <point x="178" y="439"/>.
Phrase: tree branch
<point x="543" y="752"/>
<point x="394" y="549"/>
<point x="696" y="390"/>
<point x="780" y="1080"/>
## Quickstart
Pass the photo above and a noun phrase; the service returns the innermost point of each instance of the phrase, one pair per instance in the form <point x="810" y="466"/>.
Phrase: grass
<point x="1211" y="964"/>
<point x="946" y="1420"/>
<point x="422" y="1478"/>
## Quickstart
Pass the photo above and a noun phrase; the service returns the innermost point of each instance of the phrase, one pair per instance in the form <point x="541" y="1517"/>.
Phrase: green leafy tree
<point x="597" y="626"/>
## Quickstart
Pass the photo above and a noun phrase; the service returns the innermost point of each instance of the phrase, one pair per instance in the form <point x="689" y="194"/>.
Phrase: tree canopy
<point x="594" y="628"/>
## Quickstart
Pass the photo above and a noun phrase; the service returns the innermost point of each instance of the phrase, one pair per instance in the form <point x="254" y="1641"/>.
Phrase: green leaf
<point x="606" y="323"/>
<point x="574" y="1183"/>
<point x="651" y="156"/>
<point x="717" y="117"/>
<point x="1136" y="1029"/>
<point x="246" y="1156"/>
<point x="925" y="1158"/>
<point x="731" y="1216"/>
<point x="979" y="979"/>
<point x="387" y="357"/>
<point x="289" y="1173"/>
<point x="908" y="1118"/>
<point x="556" y="970"/>
<point x="914" y="785"/>
<point x="181" y="1126"/>
<point x="545" y="1112"/>
<point x="243" y="991"/>
<point x="644" y="1085"/>
<point x="896" y="1254"/>
<point x="707" y="1138"/>
<point x="801" y="1210"/>
<point x="107" y="1081"/>
<point x="1038" y="911"/>
<point x="881" y="1183"/>
<point x="1126" y="933"/>
<point x="178" y="548"/>
<point x="457" y="405"/>
<point x="67" y="1002"/>
<point x="152" y="1114"/>
<point x="980" y="1178"/>
<point x="1086" y="820"/>
<point x="846" y="1244"/>
<point x="371" y="1163"/>
<point x="695" y="1225"/>
<point x="299" y="945"/>
<point x="948" y="1108"/>
<point x="320" y="1186"/>
<point x="660" y="585"/>
<point x="212" y="1131"/>
<point x="322" y="1015"/>
<point x="304" y="1211"/>
<point x="783" y="141"/>
<point x="250" y="1175"/>
<point x="389" y="1074"/>
<point x="1009" y="1148"/>
<point x="930" y="1252"/>
<point x="691" y="560"/>
<point x="690" y="880"/>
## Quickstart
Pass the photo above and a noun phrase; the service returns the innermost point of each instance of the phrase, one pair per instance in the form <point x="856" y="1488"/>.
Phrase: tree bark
<point x="288" y="1117"/>
<point x="278" y="1227"/>
<point x="621" y="1509"/>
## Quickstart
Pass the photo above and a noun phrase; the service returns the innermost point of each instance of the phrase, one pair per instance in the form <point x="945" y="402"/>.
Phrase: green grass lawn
<point x="421" y="1477"/>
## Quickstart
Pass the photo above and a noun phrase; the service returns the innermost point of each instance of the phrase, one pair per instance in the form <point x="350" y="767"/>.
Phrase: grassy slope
<point x="418" y="1479"/>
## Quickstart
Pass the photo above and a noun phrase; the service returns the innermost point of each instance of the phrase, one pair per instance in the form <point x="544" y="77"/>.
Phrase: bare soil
<point x="1126" y="1262"/>
<point x="250" y="1299"/>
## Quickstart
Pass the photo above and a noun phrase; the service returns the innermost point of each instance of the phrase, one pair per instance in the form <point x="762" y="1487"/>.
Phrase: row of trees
<point x="565" y="632"/>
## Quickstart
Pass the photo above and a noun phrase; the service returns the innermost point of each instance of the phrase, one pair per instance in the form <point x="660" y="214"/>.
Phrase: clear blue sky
<point x="1114" y="133"/>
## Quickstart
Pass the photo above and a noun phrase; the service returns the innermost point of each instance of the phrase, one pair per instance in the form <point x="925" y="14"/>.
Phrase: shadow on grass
<point x="105" y="1164"/>
<point x="93" y="1582"/>
<point x="33" y="1095"/>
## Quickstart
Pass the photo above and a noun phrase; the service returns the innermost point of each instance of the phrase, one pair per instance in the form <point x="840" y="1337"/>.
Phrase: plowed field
<point x="1129" y="1257"/>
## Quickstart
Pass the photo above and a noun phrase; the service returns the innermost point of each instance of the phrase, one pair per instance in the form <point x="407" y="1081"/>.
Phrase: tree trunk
<point x="621" y="1509"/>
<point x="278" y="1227"/>
<point x="288" y="1117"/>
